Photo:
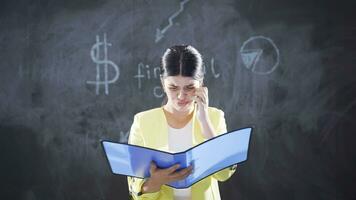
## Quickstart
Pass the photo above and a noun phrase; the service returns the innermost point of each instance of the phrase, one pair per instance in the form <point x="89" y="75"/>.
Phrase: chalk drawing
<point x="160" y="33"/>
<point x="158" y="92"/>
<point x="251" y="56"/>
<point x="144" y="71"/>
<point x="124" y="136"/>
<point x="212" y="67"/>
<point x="95" y="56"/>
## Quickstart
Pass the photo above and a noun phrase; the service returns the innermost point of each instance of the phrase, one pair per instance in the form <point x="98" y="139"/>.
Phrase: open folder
<point x="207" y="158"/>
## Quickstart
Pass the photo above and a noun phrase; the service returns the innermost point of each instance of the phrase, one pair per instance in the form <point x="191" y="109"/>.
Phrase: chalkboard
<point x="74" y="72"/>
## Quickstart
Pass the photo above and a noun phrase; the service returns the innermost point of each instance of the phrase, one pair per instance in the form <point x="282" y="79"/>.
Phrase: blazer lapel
<point x="160" y="141"/>
<point x="197" y="137"/>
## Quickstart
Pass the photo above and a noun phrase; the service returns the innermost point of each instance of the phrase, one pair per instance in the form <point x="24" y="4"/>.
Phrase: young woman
<point x="184" y="120"/>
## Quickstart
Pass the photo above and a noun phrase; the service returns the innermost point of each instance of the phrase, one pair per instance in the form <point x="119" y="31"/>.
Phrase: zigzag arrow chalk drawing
<point x="160" y="33"/>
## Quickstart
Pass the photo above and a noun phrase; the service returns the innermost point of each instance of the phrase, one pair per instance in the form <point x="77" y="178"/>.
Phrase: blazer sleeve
<point x="135" y="184"/>
<point x="226" y="173"/>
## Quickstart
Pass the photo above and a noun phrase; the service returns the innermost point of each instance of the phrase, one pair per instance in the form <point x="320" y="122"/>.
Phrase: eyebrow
<point x="170" y="84"/>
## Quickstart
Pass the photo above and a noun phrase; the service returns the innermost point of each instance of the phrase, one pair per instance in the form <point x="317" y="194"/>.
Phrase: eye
<point x="173" y="88"/>
<point x="190" y="88"/>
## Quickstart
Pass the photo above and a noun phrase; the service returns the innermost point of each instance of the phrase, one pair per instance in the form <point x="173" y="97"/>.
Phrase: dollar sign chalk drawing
<point x="95" y="56"/>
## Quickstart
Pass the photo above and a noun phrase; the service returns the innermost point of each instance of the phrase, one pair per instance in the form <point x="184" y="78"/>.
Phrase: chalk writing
<point x="146" y="72"/>
<point x="95" y="56"/>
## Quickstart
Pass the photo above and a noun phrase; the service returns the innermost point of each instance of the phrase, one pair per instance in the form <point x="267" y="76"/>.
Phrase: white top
<point x="180" y="140"/>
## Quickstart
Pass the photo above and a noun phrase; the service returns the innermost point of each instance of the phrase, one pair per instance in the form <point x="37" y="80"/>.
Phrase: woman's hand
<point x="202" y="112"/>
<point x="159" y="177"/>
<point x="202" y="99"/>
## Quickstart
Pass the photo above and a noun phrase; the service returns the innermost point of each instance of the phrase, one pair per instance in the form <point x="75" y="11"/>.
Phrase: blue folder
<point x="207" y="158"/>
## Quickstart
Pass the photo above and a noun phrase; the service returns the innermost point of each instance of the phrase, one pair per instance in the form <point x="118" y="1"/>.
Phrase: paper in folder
<point x="207" y="158"/>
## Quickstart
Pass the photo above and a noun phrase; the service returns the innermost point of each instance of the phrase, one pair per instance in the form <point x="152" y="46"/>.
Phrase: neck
<point x="179" y="115"/>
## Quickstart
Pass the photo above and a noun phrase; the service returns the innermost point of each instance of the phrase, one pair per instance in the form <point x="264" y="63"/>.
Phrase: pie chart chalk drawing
<point x="252" y="56"/>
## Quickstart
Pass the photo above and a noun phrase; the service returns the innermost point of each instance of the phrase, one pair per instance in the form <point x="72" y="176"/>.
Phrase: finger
<point x="206" y="90"/>
<point x="200" y="99"/>
<point x="205" y="94"/>
<point x="202" y="90"/>
<point x="205" y="99"/>
<point x="153" y="167"/>
<point x="198" y="91"/>
<point x="173" y="168"/>
<point x="180" y="176"/>
<point x="197" y="99"/>
<point x="193" y="98"/>
<point x="201" y="93"/>
<point x="182" y="173"/>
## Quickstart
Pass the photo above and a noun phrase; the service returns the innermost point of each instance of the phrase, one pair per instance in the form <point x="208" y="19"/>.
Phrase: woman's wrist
<point x="150" y="186"/>
<point x="207" y="128"/>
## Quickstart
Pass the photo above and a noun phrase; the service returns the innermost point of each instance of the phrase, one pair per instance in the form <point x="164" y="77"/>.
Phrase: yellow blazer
<point x="150" y="129"/>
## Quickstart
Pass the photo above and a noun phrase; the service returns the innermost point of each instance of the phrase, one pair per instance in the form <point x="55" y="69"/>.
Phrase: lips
<point x="183" y="102"/>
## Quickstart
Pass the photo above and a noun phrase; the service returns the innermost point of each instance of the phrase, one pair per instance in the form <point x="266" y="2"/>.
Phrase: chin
<point x="186" y="107"/>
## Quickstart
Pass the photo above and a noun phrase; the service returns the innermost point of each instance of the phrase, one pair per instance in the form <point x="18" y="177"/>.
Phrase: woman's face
<point x="180" y="90"/>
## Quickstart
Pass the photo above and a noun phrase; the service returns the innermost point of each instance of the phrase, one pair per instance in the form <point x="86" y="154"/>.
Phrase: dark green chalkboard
<point x="285" y="67"/>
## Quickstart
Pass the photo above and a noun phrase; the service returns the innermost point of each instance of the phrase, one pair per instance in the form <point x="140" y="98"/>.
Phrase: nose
<point x="181" y="94"/>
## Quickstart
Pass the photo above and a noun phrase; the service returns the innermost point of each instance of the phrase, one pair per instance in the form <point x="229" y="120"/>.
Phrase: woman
<point x="184" y="120"/>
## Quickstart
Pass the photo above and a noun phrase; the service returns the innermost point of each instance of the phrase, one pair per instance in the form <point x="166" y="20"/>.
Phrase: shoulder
<point x="215" y="111"/>
<point x="154" y="112"/>
<point x="149" y="113"/>
<point x="216" y="115"/>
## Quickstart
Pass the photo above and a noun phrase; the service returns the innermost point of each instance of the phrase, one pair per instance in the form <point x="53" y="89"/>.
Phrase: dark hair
<point x="182" y="60"/>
